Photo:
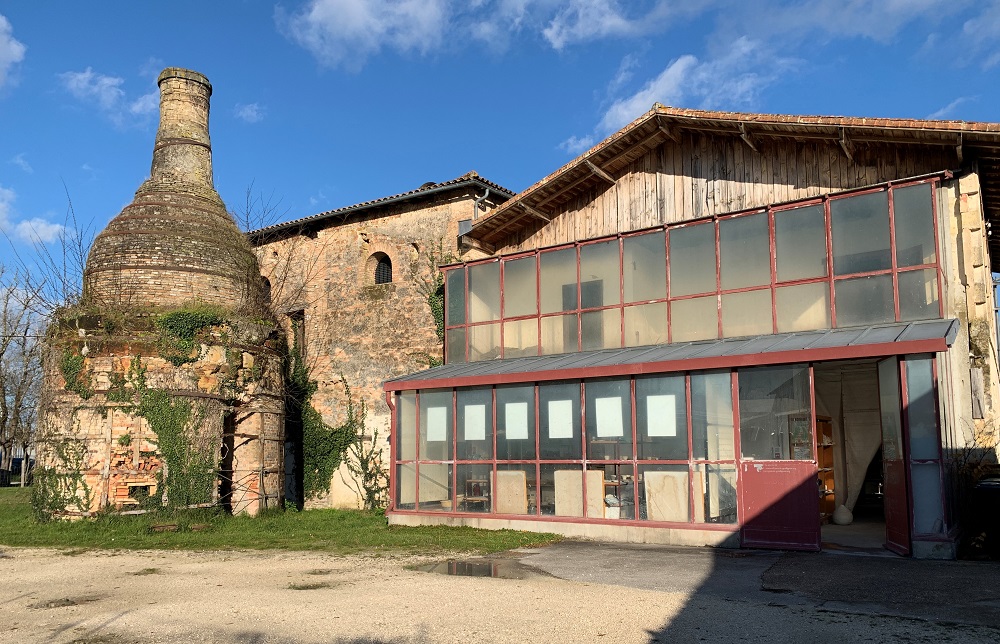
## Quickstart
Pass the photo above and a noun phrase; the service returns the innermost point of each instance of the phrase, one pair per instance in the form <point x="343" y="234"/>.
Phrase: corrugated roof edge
<point x="471" y="177"/>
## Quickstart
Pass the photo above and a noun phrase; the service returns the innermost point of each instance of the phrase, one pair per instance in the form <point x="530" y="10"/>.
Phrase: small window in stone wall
<point x="383" y="268"/>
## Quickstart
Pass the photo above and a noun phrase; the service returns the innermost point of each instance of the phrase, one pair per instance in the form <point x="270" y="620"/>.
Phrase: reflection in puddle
<point x="500" y="568"/>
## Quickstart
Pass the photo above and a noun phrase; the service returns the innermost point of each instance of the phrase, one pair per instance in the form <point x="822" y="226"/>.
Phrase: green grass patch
<point x="336" y="531"/>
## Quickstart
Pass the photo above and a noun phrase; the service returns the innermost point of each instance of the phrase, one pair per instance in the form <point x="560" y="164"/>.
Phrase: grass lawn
<point x="338" y="531"/>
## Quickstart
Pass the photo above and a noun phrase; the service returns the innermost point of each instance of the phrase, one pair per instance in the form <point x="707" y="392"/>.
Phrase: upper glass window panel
<point x="515" y="422"/>
<point x="661" y="418"/>
<point x="644" y="267"/>
<point x="744" y="251"/>
<point x="712" y="416"/>
<point x="860" y="233"/>
<point x="599" y="270"/>
<point x="406" y="426"/>
<point x="913" y="214"/>
<point x="864" y="300"/>
<point x="692" y="260"/>
<point x="800" y="243"/>
<point x="455" y="286"/>
<point x="559" y="421"/>
<point x="558" y="280"/>
<point x="475" y="424"/>
<point x="775" y="413"/>
<point x="484" y="292"/>
<point x="609" y="420"/>
<point x="746" y="313"/>
<point x="519" y="287"/>
<point x="436" y="421"/>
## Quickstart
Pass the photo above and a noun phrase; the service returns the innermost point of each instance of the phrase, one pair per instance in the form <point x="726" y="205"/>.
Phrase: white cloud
<point x="146" y="104"/>
<point x="983" y="33"/>
<point x="106" y="93"/>
<point x="11" y="50"/>
<point x="35" y="229"/>
<point x="250" y="113"/>
<point x="583" y="20"/>
<point x="577" y="144"/>
<point x="22" y="163"/>
<point x="949" y="110"/>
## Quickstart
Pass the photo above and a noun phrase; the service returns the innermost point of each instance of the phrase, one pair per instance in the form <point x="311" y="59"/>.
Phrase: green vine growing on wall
<point x="178" y="330"/>
<point x="62" y="486"/>
<point x="76" y="374"/>
<point x="430" y="281"/>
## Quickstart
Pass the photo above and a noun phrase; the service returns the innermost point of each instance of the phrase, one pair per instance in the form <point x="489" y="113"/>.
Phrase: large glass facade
<point x="846" y="260"/>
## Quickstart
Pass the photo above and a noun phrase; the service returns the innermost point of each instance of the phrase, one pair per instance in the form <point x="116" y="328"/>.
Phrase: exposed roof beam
<point x="601" y="173"/>
<point x="745" y="135"/>
<point x="958" y="148"/>
<point x="846" y="145"/>
<point x="532" y="211"/>
<point x="670" y="133"/>
<point x="489" y="249"/>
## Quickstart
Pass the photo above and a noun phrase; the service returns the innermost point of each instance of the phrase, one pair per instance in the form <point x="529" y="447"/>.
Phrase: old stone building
<point x="165" y="383"/>
<point x="360" y="288"/>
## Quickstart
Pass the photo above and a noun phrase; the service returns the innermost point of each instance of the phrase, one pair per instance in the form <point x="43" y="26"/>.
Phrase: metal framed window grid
<point x="383" y="270"/>
<point x="719" y="293"/>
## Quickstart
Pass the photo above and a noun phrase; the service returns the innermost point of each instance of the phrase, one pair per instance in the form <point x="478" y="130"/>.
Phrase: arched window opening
<point x="383" y="269"/>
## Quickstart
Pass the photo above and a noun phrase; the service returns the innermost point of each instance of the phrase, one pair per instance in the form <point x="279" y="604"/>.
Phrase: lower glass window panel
<point x="694" y="319"/>
<point x="484" y="342"/>
<point x="661" y="418"/>
<point x="646" y="324"/>
<point x="663" y="493"/>
<point x="864" y="300"/>
<point x="928" y="514"/>
<point x="918" y="295"/>
<point x="921" y="409"/>
<point x="406" y="486"/>
<point x="515" y="422"/>
<point x="601" y="329"/>
<point x="714" y="488"/>
<point x="475" y="488"/>
<point x="559" y="334"/>
<point x="559" y="421"/>
<point x="775" y="418"/>
<point x="805" y="307"/>
<point x="561" y="490"/>
<point x="435" y="487"/>
<point x="454" y="348"/>
<point x="746" y="314"/>
<point x="515" y="490"/>
<point x="520" y="338"/>
<point x="618" y="486"/>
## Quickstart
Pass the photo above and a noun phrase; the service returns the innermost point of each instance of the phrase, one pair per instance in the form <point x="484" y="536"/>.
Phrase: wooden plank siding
<point x="714" y="174"/>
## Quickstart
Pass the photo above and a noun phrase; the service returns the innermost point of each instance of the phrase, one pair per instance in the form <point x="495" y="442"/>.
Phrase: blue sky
<point x="324" y="103"/>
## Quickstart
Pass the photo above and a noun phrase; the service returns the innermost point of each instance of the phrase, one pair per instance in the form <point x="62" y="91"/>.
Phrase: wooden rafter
<point x="534" y="212"/>
<point x="745" y="135"/>
<point x="601" y="173"/>
<point x="846" y="145"/>
<point x="958" y="148"/>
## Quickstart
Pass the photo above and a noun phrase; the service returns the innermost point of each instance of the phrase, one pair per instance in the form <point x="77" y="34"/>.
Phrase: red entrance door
<point x="895" y="498"/>
<point x="780" y="505"/>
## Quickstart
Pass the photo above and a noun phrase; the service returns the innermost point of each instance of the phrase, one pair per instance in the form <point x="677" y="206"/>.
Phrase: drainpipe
<point x="475" y="206"/>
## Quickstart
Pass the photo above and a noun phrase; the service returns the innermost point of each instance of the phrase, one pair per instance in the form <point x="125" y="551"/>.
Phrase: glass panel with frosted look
<point x="435" y="487"/>
<point x="744" y="251"/>
<point x="519" y="287"/>
<point x="694" y="319"/>
<point x="520" y="338"/>
<point x="601" y="329"/>
<point x="559" y="421"/>
<point x="928" y="514"/>
<point x="864" y="300"/>
<point x="692" y="260"/>
<point x="921" y="410"/>
<point x="406" y="426"/>
<point x="484" y="342"/>
<point x="558" y="280"/>
<point x="800" y="243"/>
<point x="559" y="334"/>
<point x="455" y="345"/>
<point x="475" y="424"/>
<point x="663" y="493"/>
<point x="455" y="289"/>
<point x="609" y="420"/>
<point x="712" y="416"/>
<point x="515" y="422"/>
<point x="646" y="324"/>
<point x="775" y="413"/>
<point x="913" y="215"/>
<point x="484" y="292"/>
<point x="804" y="307"/>
<point x="436" y="422"/>
<point x="860" y="233"/>
<point x="918" y="295"/>
<point x="406" y="487"/>
<point x="644" y="266"/>
<point x="661" y="418"/>
<point x="599" y="268"/>
<point x="747" y="313"/>
<point x="714" y="493"/>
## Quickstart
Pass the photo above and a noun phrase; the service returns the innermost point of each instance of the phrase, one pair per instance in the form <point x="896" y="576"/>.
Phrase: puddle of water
<point x="499" y="568"/>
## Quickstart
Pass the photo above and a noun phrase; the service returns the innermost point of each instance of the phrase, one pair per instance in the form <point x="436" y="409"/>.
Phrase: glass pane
<point x="644" y="264"/>
<point x="712" y="416"/>
<point x="559" y="421"/>
<point x="475" y="488"/>
<point x="559" y="334"/>
<point x="775" y="419"/>
<point x="455" y="294"/>
<point x="406" y="426"/>
<point x="914" y="218"/>
<point x="888" y="394"/>
<point x="455" y="345"/>
<point x="484" y="292"/>
<point x="561" y="490"/>
<point x="609" y="420"/>
<point x="475" y="424"/>
<point x="864" y="300"/>
<point x="860" y="233"/>
<point x="599" y="270"/>
<point x="918" y="295"/>
<point x="661" y="418"/>
<point x="520" y="338"/>
<point x="618" y="488"/>
<point x="921" y="410"/>
<point x="747" y="313"/>
<point x="692" y="260"/>
<point x="515" y="489"/>
<point x="435" y="425"/>
<point x="800" y="243"/>
<point x="663" y="493"/>
<point x="484" y="342"/>
<point x="744" y="251"/>
<point x="558" y="280"/>
<point x="435" y="487"/>
<point x="520" y="287"/>
<point x="646" y="324"/>
<point x="694" y="319"/>
<point x="928" y="517"/>
<point x="406" y="487"/>
<point x="803" y="308"/>
<point x="714" y="493"/>
<point x="515" y="422"/>
<point x="601" y="329"/>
